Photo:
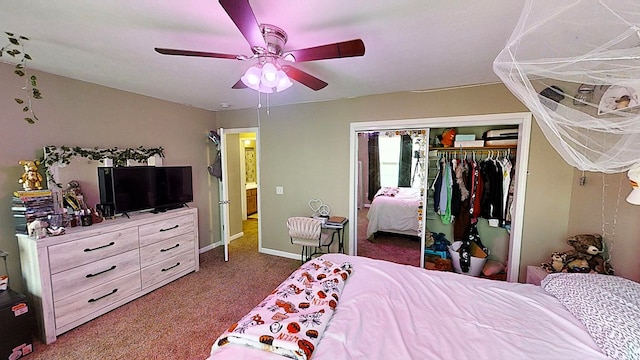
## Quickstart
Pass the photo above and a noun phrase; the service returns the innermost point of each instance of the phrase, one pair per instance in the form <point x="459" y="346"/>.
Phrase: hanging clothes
<point x="445" y="194"/>
<point x="436" y="186"/>
<point x="492" y="205"/>
<point x="477" y="190"/>
<point x="507" y="168"/>
<point x="455" y="198"/>
<point x="509" y="207"/>
<point x="463" y="219"/>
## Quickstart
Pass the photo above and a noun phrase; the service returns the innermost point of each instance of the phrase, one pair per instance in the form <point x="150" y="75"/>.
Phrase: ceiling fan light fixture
<point x="266" y="77"/>
<point x="251" y="77"/>
<point x="265" y="89"/>
<point x="269" y="75"/>
<point x="283" y="81"/>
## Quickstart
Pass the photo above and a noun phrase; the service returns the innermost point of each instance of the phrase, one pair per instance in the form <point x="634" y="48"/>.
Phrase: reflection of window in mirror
<point x="389" y="152"/>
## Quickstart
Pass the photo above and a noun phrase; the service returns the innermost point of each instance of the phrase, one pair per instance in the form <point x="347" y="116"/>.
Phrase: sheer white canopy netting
<point x="576" y="65"/>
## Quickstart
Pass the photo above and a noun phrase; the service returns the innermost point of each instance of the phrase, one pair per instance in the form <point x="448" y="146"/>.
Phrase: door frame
<point x="224" y="216"/>
<point x="522" y="120"/>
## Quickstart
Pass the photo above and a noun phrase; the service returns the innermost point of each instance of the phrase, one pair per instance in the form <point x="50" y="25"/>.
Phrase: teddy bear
<point x="31" y="179"/>
<point x="584" y="257"/>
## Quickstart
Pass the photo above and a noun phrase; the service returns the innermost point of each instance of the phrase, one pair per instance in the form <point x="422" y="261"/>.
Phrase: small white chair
<point x="307" y="232"/>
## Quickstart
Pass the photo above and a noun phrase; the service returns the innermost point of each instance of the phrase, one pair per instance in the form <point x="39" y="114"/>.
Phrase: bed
<point x="393" y="311"/>
<point x="394" y="210"/>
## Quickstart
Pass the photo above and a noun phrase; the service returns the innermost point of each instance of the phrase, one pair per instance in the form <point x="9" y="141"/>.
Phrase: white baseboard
<point x="279" y="253"/>
<point x="261" y="250"/>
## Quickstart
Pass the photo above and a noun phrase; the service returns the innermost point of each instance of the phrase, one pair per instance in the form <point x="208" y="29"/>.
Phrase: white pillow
<point x="608" y="306"/>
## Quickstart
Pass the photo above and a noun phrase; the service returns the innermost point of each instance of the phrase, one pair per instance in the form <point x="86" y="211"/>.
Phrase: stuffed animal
<point x="578" y="266"/>
<point x="37" y="228"/>
<point x="585" y="256"/>
<point x="557" y="261"/>
<point x="586" y="244"/>
<point x="448" y="137"/>
<point x="31" y="179"/>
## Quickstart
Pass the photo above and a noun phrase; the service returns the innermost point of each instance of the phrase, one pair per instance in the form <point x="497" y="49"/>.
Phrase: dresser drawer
<point x="177" y="265"/>
<point x="166" y="249"/>
<point x="87" y="302"/>
<point x="160" y="230"/>
<point x="70" y="282"/>
<point x="79" y="252"/>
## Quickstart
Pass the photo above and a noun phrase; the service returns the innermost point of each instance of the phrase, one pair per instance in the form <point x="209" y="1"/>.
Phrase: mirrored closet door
<point x="392" y="170"/>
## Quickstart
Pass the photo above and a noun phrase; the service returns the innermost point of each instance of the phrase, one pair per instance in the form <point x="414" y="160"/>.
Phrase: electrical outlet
<point x="279" y="190"/>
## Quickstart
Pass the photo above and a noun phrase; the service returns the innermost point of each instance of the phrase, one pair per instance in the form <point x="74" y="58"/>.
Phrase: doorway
<point x="241" y="185"/>
<point x="520" y="120"/>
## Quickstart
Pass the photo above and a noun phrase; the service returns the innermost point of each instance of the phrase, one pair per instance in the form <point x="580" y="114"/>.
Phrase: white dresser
<point x="88" y="271"/>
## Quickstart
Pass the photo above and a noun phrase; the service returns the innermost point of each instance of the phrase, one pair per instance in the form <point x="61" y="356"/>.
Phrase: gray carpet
<point x="180" y="320"/>
<point x="395" y="248"/>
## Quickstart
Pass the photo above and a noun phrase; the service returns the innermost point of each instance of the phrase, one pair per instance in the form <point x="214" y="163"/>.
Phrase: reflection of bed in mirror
<point x="394" y="210"/>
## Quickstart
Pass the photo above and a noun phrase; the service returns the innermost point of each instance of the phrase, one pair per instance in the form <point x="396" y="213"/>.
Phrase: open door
<point x="224" y="196"/>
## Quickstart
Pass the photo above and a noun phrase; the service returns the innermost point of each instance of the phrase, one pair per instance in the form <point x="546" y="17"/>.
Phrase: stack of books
<point x="467" y="140"/>
<point x="469" y="143"/>
<point x="336" y="220"/>
<point x="28" y="206"/>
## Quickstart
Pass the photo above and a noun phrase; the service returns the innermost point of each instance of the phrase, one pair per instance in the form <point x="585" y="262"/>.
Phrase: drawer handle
<point x="171" y="228"/>
<point x="171" y="267"/>
<point x="167" y="249"/>
<point x="101" y="272"/>
<point x="103" y="296"/>
<point x="100" y="247"/>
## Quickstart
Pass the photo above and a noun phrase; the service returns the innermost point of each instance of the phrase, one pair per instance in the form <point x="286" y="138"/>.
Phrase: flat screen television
<point x="137" y="188"/>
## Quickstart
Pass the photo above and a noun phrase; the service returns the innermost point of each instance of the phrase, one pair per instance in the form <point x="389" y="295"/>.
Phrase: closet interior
<point x="470" y="198"/>
<point x="501" y="239"/>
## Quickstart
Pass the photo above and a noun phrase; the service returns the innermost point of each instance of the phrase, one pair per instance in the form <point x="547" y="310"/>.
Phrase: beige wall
<point x="600" y="207"/>
<point x="305" y="149"/>
<point x="78" y="113"/>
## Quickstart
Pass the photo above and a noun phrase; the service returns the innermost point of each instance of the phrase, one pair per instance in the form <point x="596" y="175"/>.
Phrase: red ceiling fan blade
<point x="304" y="78"/>
<point x="242" y="15"/>
<point x="330" y="51"/>
<point x="195" y="53"/>
<point x="239" y="85"/>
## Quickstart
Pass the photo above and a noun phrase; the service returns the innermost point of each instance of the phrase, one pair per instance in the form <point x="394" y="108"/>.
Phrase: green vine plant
<point x="15" y="49"/>
<point x="64" y="154"/>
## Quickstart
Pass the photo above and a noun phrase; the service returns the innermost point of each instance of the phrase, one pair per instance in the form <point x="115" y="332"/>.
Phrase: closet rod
<point x="476" y="149"/>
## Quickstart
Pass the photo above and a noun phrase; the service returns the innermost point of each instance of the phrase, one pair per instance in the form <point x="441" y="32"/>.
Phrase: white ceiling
<point x="410" y="44"/>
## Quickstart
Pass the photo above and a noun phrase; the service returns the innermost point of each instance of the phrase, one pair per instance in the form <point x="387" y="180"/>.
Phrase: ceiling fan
<point x="267" y="45"/>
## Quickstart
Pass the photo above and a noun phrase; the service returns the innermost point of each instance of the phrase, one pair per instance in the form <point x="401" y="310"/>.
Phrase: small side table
<point x="337" y="229"/>
<point x="535" y="274"/>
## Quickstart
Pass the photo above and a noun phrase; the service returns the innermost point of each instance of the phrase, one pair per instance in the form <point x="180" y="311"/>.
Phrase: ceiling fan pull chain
<point x="259" y="98"/>
<point x="268" y="104"/>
